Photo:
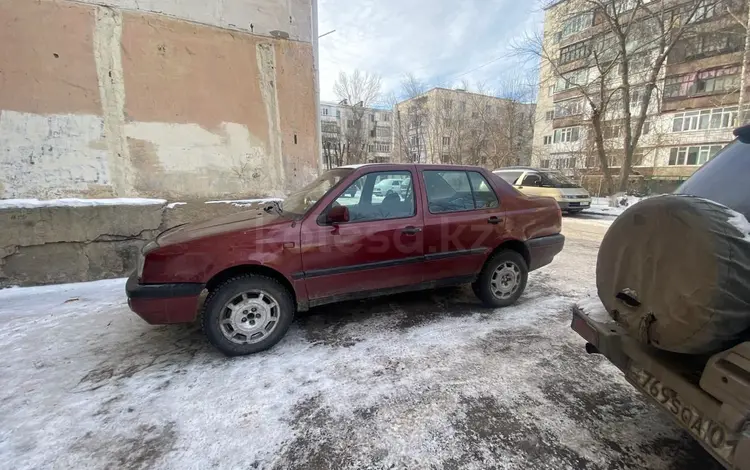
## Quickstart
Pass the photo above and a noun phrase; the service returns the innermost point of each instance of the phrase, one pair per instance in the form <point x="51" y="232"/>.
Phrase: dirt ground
<point x="427" y="380"/>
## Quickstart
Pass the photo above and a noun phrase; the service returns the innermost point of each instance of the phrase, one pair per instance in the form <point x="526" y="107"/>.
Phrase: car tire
<point x="247" y="314"/>
<point x="502" y="280"/>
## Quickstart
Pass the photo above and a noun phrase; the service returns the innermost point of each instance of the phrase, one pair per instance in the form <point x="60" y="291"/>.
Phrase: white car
<point x="388" y="186"/>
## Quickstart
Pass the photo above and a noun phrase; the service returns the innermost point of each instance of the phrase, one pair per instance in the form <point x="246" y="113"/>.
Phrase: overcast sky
<point x="436" y="40"/>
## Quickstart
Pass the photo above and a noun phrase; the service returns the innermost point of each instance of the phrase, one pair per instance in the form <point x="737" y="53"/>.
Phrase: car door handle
<point x="494" y="220"/>
<point x="411" y="230"/>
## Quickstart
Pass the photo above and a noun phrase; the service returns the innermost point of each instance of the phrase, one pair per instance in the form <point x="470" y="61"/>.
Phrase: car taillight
<point x="147" y="248"/>
<point x="585" y="330"/>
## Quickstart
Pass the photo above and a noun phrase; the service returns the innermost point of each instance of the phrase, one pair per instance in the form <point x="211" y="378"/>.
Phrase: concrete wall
<point x="167" y="98"/>
<point x="50" y="245"/>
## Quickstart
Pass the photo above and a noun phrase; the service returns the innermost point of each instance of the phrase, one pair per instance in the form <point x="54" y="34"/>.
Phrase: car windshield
<point x="299" y="202"/>
<point x="553" y="179"/>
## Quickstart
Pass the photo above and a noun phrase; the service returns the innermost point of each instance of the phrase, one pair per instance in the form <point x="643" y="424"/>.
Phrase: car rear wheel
<point x="502" y="280"/>
<point x="247" y="314"/>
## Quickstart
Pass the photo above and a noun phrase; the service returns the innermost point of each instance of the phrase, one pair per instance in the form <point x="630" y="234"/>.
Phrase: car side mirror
<point x="337" y="215"/>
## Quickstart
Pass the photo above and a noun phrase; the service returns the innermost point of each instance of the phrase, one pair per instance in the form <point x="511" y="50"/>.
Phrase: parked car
<point x="260" y="267"/>
<point x="690" y="352"/>
<point x="391" y="186"/>
<point x="571" y="197"/>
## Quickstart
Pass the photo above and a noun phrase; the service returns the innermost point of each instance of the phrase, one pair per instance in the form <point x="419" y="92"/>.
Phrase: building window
<point x="549" y="115"/>
<point x="544" y="163"/>
<point x="722" y="80"/>
<point x="414" y="141"/>
<point x="718" y="118"/>
<point x="566" y="134"/>
<point x="463" y="106"/>
<point x="446" y="141"/>
<point x="706" y="10"/>
<point x="576" y="24"/>
<point x="568" y="108"/>
<point x="324" y="112"/>
<point x="571" y="80"/>
<point x="372" y="117"/>
<point x="573" y="52"/>
<point x="590" y="162"/>
<point x="338" y="113"/>
<point x="475" y="114"/>
<point x="611" y="131"/>
<point x="694" y="155"/>
<point x="349" y="123"/>
<point x="647" y="127"/>
<point x="709" y="44"/>
<point x="448" y="104"/>
<point x="551" y="90"/>
<point x="383" y="148"/>
<point x="445" y="158"/>
<point x="547" y="139"/>
<point x="371" y="148"/>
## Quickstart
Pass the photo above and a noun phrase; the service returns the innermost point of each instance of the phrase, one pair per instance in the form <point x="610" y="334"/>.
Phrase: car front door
<point x="379" y="248"/>
<point x="463" y="223"/>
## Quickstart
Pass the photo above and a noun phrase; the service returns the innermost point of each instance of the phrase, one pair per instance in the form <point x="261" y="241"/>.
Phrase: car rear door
<point x="463" y="222"/>
<point x="380" y="248"/>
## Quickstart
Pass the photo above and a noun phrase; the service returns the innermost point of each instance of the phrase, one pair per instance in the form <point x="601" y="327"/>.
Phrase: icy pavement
<point x="427" y="380"/>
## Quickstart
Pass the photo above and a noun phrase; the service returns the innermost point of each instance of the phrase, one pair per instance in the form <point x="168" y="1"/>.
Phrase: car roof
<point x="421" y="166"/>
<point x="517" y="168"/>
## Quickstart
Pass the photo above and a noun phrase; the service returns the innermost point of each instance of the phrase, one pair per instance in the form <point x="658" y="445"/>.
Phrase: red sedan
<point x="336" y="240"/>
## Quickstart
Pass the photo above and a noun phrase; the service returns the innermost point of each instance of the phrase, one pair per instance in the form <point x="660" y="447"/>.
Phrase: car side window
<point x="484" y="195"/>
<point x="379" y="196"/>
<point x="531" y="179"/>
<point x="448" y="191"/>
<point x="509" y="176"/>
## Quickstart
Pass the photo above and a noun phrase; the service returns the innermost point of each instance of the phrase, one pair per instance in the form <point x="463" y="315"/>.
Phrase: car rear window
<point x="724" y="178"/>
<point x="451" y="191"/>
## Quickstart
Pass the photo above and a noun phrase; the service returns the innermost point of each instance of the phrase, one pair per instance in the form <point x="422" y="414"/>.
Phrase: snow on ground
<point x="600" y="205"/>
<point x="34" y="203"/>
<point x="422" y="380"/>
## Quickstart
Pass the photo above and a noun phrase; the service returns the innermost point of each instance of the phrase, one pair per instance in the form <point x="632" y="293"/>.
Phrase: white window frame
<point x="566" y="135"/>
<point x="704" y="154"/>
<point x="705" y="119"/>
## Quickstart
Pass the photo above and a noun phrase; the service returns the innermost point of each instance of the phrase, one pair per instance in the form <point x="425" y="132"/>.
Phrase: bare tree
<point x="617" y="71"/>
<point x="463" y="125"/>
<point x="356" y="92"/>
<point x="409" y="121"/>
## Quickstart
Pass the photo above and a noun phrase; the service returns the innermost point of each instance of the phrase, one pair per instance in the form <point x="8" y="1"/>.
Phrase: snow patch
<point x="740" y="223"/>
<point x="246" y="202"/>
<point x="35" y="203"/>
<point x="594" y="309"/>
<point x="172" y="205"/>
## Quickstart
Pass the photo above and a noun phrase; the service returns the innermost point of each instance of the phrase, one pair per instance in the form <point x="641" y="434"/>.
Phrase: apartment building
<point x="355" y="134"/>
<point x="691" y="114"/>
<point x="460" y="127"/>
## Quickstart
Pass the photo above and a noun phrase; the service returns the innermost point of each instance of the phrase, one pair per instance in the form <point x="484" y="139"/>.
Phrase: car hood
<point x="240" y="221"/>
<point x="574" y="192"/>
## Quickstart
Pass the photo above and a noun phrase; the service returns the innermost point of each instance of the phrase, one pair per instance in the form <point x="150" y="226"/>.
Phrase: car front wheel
<point x="502" y="280"/>
<point x="247" y="314"/>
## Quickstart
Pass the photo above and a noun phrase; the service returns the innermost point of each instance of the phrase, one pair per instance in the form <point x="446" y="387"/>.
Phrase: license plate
<point x="713" y="435"/>
<point x="574" y="204"/>
<point x="586" y="204"/>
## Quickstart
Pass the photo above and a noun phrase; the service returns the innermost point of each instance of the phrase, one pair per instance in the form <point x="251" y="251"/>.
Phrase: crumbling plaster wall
<point x="167" y="98"/>
<point x="49" y="245"/>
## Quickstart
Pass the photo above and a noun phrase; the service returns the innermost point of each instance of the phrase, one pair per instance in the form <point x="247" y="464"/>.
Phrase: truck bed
<point x="677" y="384"/>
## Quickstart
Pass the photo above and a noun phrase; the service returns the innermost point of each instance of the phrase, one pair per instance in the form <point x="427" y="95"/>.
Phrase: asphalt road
<point x="425" y="380"/>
